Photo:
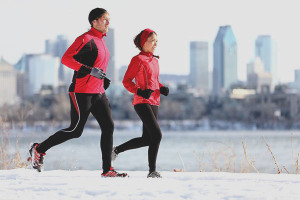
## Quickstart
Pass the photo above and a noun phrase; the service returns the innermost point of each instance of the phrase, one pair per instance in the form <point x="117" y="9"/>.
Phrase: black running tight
<point x="151" y="134"/>
<point x="81" y="106"/>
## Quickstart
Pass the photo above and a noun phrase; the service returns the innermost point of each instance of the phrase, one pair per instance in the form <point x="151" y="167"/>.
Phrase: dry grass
<point x="8" y="160"/>
<point x="245" y="153"/>
<point x="225" y="160"/>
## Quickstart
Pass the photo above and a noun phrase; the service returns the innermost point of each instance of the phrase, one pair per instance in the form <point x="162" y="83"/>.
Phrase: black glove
<point x="164" y="91"/>
<point x="144" y="93"/>
<point x="83" y="71"/>
<point x="106" y="83"/>
<point x="98" y="73"/>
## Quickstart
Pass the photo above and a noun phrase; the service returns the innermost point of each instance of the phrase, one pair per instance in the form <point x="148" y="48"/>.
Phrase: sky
<point x="25" y="25"/>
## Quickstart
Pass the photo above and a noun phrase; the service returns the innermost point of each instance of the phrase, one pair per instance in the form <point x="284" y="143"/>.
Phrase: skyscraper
<point x="257" y="77"/>
<point x="111" y="68"/>
<point x="57" y="48"/>
<point x="199" y="66"/>
<point x="8" y="80"/>
<point x="266" y="49"/>
<point x="42" y="71"/>
<point x="34" y="71"/>
<point x="225" y="60"/>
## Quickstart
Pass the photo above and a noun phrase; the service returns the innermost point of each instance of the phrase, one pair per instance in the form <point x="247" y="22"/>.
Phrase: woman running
<point x="144" y="69"/>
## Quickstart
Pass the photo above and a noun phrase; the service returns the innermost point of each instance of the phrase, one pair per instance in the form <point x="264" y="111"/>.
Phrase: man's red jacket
<point x="144" y="69"/>
<point x="88" y="49"/>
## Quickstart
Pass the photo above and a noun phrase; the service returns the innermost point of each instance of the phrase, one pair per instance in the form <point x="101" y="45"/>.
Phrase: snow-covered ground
<point x="23" y="184"/>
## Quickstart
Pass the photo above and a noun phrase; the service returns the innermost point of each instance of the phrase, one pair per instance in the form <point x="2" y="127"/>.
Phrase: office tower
<point x="8" y="83"/>
<point x="22" y="75"/>
<point x="111" y="72"/>
<point x="257" y="77"/>
<point x="122" y="72"/>
<point x="43" y="70"/>
<point x="225" y="60"/>
<point x="266" y="49"/>
<point x="297" y="76"/>
<point x="199" y="75"/>
<point x="57" y="48"/>
<point x="35" y="71"/>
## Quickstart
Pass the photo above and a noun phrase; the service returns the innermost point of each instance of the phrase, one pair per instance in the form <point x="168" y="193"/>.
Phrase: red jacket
<point x="145" y="70"/>
<point x="88" y="49"/>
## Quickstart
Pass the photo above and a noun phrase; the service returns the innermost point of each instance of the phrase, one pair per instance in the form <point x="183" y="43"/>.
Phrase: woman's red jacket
<point x="144" y="69"/>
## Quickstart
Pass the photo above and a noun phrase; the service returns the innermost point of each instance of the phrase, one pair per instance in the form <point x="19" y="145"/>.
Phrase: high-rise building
<point x="297" y="76"/>
<point x="111" y="72"/>
<point x="266" y="49"/>
<point x="36" y="71"/>
<point x="257" y="77"/>
<point x="225" y="60"/>
<point x="199" y="75"/>
<point x="122" y="72"/>
<point x="22" y="76"/>
<point x="43" y="70"/>
<point x="57" y="48"/>
<point x="8" y="83"/>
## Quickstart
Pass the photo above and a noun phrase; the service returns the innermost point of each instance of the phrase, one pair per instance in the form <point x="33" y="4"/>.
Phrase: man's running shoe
<point x="114" y="154"/>
<point x="37" y="159"/>
<point x="113" y="173"/>
<point x="154" y="175"/>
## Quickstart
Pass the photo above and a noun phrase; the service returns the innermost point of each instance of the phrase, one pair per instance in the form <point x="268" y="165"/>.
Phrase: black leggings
<point x="81" y="106"/>
<point x="151" y="134"/>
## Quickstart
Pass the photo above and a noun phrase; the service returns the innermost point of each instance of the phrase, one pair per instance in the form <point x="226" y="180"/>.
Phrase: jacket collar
<point x="148" y="54"/>
<point x="97" y="33"/>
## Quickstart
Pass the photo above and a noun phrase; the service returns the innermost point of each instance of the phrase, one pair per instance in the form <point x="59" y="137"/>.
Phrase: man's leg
<point x="102" y="112"/>
<point x="80" y="109"/>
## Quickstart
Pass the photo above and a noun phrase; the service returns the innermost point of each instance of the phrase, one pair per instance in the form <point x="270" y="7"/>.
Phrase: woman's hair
<point x="137" y="41"/>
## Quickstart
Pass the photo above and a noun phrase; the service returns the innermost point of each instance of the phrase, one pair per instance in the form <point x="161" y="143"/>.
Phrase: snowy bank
<point x="60" y="184"/>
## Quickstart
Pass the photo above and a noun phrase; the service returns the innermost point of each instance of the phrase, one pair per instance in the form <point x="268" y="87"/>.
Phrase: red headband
<point x="145" y="36"/>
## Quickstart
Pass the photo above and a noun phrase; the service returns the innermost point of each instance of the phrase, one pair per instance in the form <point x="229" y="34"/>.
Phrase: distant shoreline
<point x="172" y="125"/>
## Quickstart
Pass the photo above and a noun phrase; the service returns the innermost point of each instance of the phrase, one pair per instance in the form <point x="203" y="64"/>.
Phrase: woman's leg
<point x="148" y="115"/>
<point x="139" y="141"/>
<point x="80" y="109"/>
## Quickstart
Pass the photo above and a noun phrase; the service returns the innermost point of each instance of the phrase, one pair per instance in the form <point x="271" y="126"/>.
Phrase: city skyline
<point x="184" y="22"/>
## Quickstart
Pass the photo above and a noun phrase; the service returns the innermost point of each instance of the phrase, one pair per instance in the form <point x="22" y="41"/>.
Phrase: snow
<point x="83" y="184"/>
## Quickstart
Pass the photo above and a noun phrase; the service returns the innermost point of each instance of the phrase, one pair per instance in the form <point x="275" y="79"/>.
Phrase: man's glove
<point x="164" y="91"/>
<point x="144" y="93"/>
<point x="106" y="83"/>
<point x="83" y="71"/>
<point x="98" y="73"/>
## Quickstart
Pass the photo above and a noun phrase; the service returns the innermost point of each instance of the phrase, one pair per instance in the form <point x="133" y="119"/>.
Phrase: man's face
<point x="101" y="24"/>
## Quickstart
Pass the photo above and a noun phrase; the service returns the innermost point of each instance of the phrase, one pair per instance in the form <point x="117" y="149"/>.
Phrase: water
<point x="188" y="150"/>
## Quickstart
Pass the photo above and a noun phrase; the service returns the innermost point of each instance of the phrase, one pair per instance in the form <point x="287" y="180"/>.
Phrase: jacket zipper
<point x="146" y="76"/>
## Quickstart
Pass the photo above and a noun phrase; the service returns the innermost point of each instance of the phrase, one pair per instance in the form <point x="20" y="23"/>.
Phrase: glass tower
<point x="199" y="66"/>
<point x="266" y="49"/>
<point x="225" y="60"/>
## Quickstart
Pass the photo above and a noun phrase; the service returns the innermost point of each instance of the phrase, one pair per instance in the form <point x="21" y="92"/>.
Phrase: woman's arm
<point x="130" y="74"/>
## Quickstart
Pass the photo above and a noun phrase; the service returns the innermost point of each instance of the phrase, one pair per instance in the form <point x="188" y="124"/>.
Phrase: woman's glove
<point x="164" y="91"/>
<point x="144" y="93"/>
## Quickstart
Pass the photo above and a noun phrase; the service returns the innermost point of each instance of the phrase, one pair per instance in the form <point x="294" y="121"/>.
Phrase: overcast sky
<point x="25" y="25"/>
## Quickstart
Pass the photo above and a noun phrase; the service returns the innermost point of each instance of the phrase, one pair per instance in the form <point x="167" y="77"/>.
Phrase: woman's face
<point x="150" y="44"/>
<point x="101" y="24"/>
